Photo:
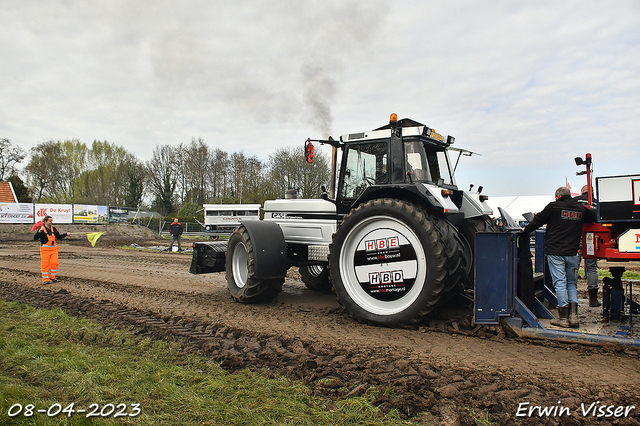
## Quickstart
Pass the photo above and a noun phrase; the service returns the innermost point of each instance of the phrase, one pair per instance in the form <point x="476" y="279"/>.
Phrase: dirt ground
<point x="444" y="372"/>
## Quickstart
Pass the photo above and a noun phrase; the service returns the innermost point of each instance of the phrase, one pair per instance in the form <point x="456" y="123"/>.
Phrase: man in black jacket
<point x="176" y="231"/>
<point x="564" y="218"/>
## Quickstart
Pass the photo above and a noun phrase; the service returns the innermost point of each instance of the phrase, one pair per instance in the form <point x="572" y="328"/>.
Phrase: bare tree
<point x="181" y="157"/>
<point x="237" y="175"/>
<point x="44" y="172"/>
<point x="197" y="170"/>
<point x="162" y="175"/>
<point x="218" y="174"/>
<point x="10" y="157"/>
<point x="254" y="181"/>
<point x="289" y="170"/>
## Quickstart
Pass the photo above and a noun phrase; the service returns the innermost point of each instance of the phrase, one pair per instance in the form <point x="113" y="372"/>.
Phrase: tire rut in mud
<point x="415" y="386"/>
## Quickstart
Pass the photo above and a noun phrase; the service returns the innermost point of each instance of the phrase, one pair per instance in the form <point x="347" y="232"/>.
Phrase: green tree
<point x="135" y="175"/>
<point x="75" y="154"/>
<point x="106" y="160"/>
<point x="188" y="211"/>
<point x="21" y="190"/>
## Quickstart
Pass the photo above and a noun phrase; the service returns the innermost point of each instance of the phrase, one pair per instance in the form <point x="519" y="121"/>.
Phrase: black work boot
<point x="593" y="298"/>
<point x="563" y="315"/>
<point x="574" y="322"/>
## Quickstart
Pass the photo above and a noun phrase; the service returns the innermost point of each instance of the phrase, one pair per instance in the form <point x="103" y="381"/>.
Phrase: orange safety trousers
<point x="49" y="262"/>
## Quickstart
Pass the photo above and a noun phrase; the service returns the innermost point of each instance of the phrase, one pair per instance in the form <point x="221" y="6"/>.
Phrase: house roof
<point x="7" y="195"/>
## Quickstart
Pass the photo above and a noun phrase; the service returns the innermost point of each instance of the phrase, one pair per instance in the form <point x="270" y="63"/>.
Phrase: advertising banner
<point x="61" y="213"/>
<point x="84" y="213"/>
<point x="16" y="213"/>
<point x="118" y="214"/>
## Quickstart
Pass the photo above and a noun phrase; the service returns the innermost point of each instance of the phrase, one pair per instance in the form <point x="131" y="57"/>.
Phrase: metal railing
<point x="194" y="229"/>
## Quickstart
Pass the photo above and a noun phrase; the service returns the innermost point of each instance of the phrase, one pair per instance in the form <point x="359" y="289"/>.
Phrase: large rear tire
<point x="469" y="228"/>
<point x="241" y="282"/>
<point x="390" y="265"/>
<point x="316" y="277"/>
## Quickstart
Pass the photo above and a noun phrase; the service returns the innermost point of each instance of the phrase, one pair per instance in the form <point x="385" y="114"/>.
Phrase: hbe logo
<point x="382" y="244"/>
<point x="41" y="213"/>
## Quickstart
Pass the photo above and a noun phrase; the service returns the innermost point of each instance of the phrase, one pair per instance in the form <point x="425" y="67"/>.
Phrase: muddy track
<point x="444" y="370"/>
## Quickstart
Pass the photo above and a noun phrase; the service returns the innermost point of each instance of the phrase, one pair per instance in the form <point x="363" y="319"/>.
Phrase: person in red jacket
<point x="48" y="236"/>
<point x="176" y="231"/>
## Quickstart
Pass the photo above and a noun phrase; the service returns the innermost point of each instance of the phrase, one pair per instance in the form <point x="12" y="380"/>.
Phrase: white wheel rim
<point x="240" y="265"/>
<point x="412" y="263"/>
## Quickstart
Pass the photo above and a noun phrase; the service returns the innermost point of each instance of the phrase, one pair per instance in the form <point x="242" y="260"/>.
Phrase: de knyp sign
<point x="61" y="213"/>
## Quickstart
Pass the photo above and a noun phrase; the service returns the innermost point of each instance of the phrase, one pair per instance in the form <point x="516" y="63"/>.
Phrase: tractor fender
<point x="270" y="249"/>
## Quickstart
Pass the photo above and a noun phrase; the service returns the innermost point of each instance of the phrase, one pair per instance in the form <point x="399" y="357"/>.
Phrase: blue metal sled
<point x="499" y="291"/>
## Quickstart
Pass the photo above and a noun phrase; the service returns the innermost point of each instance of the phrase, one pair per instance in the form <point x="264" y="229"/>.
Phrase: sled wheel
<point x="242" y="284"/>
<point x="389" y="265"/>
<point x="316" y="277"/>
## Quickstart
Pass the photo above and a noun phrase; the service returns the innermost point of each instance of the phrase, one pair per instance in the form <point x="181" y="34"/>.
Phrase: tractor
<point x="393" y="237"/>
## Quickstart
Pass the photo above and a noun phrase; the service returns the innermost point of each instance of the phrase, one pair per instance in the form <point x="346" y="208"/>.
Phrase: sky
<point x="528" y="85"/>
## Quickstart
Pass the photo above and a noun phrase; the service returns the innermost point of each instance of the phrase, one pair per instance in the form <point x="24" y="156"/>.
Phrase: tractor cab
<point x="402" y="153"/>
<point x="403" y="159"/>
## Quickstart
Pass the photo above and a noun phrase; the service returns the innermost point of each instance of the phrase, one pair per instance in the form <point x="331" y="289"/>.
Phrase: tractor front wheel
<point x="243" y="286"/>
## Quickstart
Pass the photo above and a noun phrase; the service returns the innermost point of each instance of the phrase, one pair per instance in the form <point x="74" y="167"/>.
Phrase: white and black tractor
<point x="393" y="238"/>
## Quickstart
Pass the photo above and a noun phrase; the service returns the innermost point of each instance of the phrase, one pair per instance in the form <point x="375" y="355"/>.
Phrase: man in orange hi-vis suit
<point x="48" y="235"/>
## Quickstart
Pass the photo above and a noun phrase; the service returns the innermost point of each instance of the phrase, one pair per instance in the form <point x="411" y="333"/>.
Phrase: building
<point x="7" y="194"/>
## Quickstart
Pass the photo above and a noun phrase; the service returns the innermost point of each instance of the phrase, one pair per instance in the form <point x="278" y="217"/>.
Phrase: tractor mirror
<point x="309" y="152"/>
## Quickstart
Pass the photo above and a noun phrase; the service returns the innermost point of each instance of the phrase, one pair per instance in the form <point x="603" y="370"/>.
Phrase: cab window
<point x="366" y="164"/>
<point x="417" y="165"/>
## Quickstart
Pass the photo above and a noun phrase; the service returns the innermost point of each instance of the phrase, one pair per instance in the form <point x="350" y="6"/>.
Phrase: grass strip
<point x="627" y="275"/>
<point x="48" y="358"/>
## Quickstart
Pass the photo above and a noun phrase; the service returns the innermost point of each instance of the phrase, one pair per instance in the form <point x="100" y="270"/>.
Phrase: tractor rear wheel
<point x="241" y="282"/>
<point x="390" y="265"/>
<point x="316" y="277"/>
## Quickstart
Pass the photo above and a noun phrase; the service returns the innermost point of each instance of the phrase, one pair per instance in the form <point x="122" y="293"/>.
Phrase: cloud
<point x="522" y="83"/>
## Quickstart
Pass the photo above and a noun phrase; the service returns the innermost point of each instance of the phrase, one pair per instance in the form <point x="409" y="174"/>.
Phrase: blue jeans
<point x="563" y="270"/>
<point x="591" y="273"/>
<point x="175" y="238"/>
